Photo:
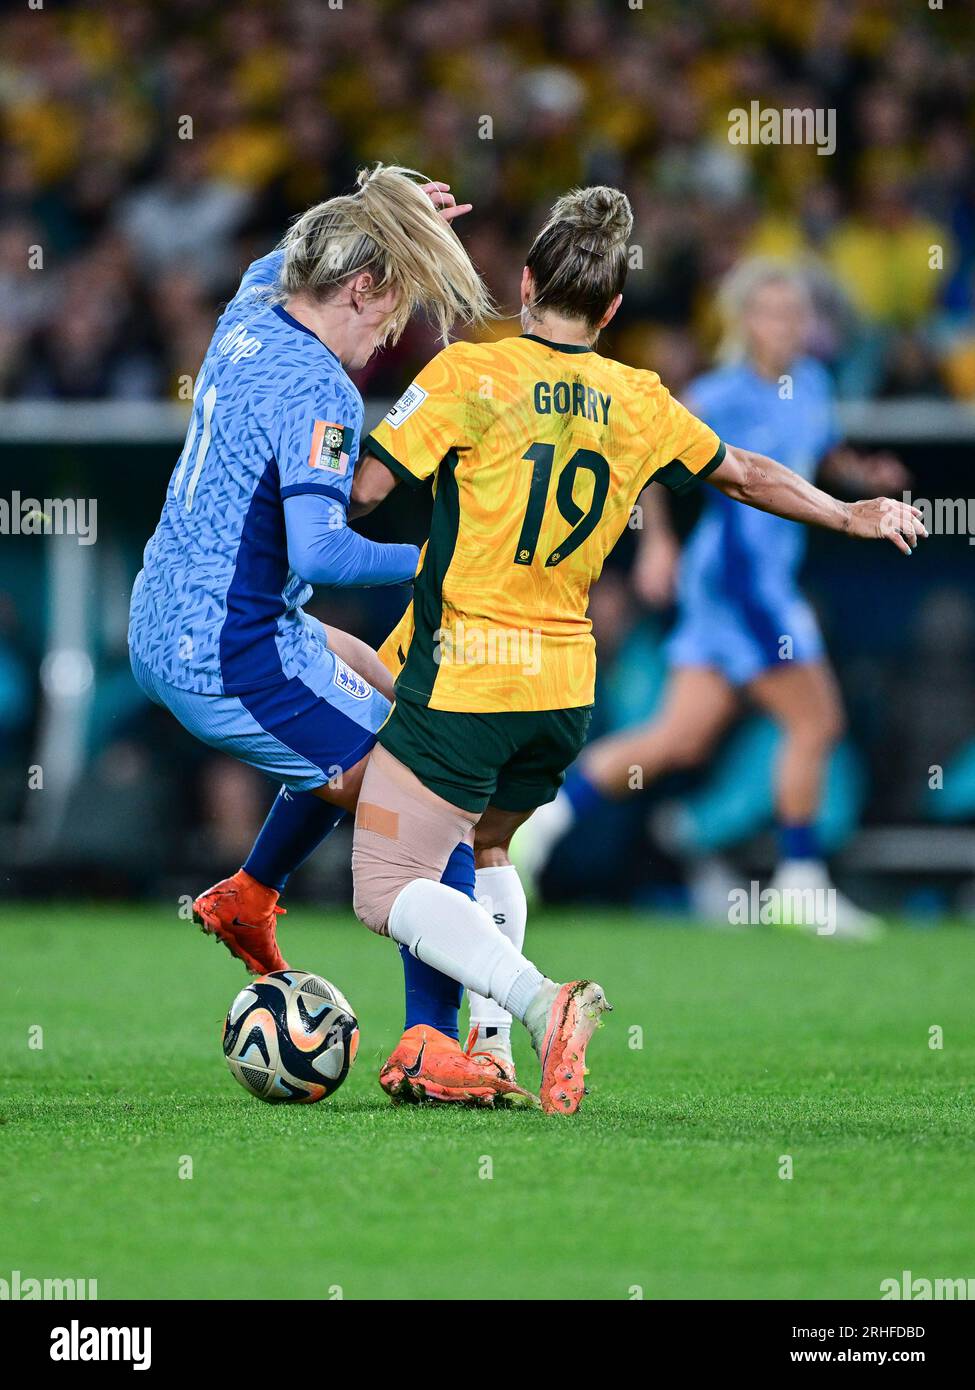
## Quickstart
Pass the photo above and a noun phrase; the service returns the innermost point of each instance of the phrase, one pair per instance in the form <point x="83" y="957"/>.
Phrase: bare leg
<point x="404" y="834"/>
<point x="361" y="657"/>
<point x="343" y="790"/>
<point x="500" y="892"/>
<point x="698" y="707"/>
<point x="364" y="661"/>
<point x="241" y="910"/>
<point x="492" y="836"/>
<point x="805" y="702"/>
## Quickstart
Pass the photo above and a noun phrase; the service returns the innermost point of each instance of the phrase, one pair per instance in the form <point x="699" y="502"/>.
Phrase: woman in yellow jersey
<point x="539" y="448"/>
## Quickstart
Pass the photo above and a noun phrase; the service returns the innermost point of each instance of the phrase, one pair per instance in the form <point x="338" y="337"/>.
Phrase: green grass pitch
<point x="756" y="1045"/>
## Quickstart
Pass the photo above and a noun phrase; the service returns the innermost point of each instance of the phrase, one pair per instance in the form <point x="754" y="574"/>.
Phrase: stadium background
<point x="144" y="233"/>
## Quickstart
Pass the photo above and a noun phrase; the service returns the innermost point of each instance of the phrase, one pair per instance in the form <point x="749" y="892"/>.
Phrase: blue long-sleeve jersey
<point x="256" y="507"/>
<point x="323" y="549"/>
<point x="755" y="549"/>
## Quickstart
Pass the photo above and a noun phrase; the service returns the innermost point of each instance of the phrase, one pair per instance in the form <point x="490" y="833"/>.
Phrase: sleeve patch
<point x="411" y="399"/>
<point x="330" y="447"/>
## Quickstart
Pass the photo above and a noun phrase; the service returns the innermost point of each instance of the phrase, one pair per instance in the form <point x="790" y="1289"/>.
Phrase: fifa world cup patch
<point x="411" y="399"/>
<point x="330" y="448"/>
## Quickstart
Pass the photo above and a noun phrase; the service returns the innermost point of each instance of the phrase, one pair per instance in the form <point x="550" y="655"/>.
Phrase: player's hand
<point x="881" y="518"/>
<point x="655" y="572"/>
<point x="444" y="201"/>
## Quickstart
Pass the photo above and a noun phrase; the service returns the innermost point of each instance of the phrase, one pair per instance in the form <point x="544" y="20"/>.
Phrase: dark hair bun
<point x="603" y="211"/>
<point x="578" y="260"/>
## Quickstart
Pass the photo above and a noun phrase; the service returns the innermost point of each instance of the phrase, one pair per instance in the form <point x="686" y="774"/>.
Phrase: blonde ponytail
<point x="392" y="229"/>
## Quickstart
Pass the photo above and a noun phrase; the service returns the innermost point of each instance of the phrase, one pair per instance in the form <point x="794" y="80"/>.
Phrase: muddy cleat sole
<point x="575" y="1014"/>
<point x="426" y="1091"/>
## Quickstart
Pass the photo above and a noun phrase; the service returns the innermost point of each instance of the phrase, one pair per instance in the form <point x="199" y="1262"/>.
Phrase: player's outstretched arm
<point x="771" y="487"/>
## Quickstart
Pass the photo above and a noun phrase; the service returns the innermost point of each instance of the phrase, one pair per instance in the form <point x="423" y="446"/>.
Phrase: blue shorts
<point x="301" y="731"/>
<point x="742" y="636"/>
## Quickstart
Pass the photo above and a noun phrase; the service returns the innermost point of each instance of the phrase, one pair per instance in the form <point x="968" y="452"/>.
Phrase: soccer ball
<point x="290" y="1036"/>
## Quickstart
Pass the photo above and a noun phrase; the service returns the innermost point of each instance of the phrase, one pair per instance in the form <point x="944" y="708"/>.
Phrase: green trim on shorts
<point x="514" y="760"/>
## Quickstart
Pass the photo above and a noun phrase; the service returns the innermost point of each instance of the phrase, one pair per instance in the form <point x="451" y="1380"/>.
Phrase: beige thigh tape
<point x="403" y="831"/>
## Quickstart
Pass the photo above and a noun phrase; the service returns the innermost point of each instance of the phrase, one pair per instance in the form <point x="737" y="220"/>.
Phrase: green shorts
<point x="515" y="761"/>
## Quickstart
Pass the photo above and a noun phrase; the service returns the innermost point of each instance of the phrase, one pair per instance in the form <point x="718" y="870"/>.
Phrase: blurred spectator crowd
<point x="151" y="148"/>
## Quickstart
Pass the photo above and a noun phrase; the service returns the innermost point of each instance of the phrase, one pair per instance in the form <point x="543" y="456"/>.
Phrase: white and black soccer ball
<point x="290" y="1036"/>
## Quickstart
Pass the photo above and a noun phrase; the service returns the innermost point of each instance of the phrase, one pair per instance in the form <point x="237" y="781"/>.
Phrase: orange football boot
<point x="571" y="1017"/>
<point x="242" y="913"/>
<point x="426" y="1065"/>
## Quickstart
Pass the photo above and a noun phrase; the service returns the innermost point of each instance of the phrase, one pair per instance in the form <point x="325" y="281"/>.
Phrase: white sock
<point x="444" y="929"/>
<point x="500" y="893"/>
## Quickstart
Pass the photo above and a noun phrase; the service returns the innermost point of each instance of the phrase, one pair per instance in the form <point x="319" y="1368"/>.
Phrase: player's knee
<point x="687" y="750"/>
<point x="821" y="727"/>
<point x="372" y="898"/>
<point x="834" y="724"/>
<point x="492" y="836"/>
<point x="491" y="856"/>
<point x="375" y="884"/>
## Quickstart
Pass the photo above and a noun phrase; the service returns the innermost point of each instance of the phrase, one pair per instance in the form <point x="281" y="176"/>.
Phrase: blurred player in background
<point x="539" y="447"/>
<point x="744" y="633"/>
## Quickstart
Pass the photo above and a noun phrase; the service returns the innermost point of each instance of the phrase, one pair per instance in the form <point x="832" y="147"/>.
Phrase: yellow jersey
<point x="538" y="453"/>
